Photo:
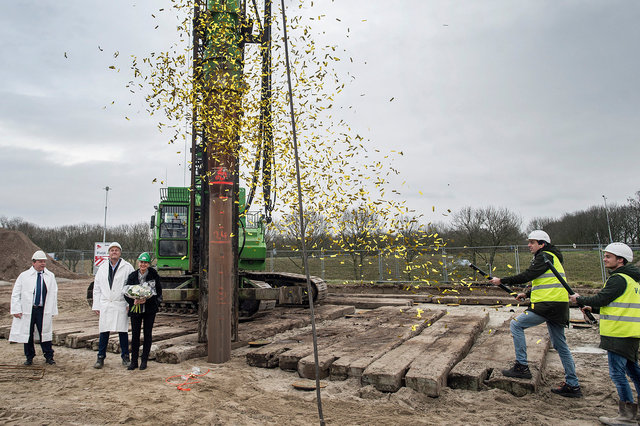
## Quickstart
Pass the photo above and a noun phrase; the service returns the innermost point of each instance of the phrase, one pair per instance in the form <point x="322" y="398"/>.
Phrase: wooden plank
<point x="341" y="334"/>
<point x="269" y="356"/>
<point x="187" y="348"/>
<point x="261" y="331"/>
<point x="4" y="331"/>
<point x="387" y="372"/>
<point x="538" y="344"/>
<point x="428" y="373"/>
<point x="288" y="360"/>
<point x="307" y="366"/>
<point x="59" y="336"/>
<point x="165" y="333"/>
<point x="484" y="364"/>
<point x="327" y="311"/>
<point x="399" y="328"/>
<point x="82" y="339"/>
<point x="479" y="300"/>
<point x="368" y="302"/>
<point x="471" y="372"/>
<point x="421" y="298"/>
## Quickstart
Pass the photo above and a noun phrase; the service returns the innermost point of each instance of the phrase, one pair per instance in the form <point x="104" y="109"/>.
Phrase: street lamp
<point x="104" y="229"/>
<point x="606" y="212"/>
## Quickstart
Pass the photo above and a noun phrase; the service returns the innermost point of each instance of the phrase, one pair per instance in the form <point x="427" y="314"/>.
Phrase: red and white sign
<point x="100" y="255"/>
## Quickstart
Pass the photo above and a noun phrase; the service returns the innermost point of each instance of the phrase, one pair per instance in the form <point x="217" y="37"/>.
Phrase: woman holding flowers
<point x="144" y="294"/>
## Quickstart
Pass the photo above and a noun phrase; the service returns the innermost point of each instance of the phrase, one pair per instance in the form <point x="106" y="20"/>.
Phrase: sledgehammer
<point x="588" y="316"/>
<point x="487" y="276"/>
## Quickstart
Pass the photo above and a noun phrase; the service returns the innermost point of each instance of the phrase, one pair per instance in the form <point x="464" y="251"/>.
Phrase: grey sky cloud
<point x="531" y="105"/>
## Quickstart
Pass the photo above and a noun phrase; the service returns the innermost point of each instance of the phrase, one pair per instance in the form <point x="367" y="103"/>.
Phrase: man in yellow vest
<point x="619" y="306"/>
<point x="550" y="304"/>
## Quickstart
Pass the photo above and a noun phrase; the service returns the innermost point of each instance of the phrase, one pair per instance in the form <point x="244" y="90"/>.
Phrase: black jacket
<point x="557" y="312"/>
<point x="153" y="303"/>
<point x="614" y="288"/>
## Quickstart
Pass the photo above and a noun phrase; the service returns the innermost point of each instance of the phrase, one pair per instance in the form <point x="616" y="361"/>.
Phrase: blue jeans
<point x="556" y="334"/>
<point x="619" y="367"/>
<point x="104" y="340"/>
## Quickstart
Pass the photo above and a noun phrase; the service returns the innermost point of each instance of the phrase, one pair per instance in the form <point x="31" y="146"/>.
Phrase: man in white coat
<point x="109" y="303"/>
<point x="34" y="302"/>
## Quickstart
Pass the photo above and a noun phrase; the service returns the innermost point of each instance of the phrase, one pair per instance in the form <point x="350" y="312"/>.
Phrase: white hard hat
<point x="39" y="255"/>
<point x="114" y="244"/>
<point x="620" y="250"/>
<point x="539" y="235"/>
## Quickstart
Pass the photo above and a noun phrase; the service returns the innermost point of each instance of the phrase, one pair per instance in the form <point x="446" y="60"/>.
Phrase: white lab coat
<point x="110" y="302"/>
<point x="22" y="299"/>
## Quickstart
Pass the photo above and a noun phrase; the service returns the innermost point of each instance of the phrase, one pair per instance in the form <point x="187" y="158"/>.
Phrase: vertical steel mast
<point x="219" y="34"/>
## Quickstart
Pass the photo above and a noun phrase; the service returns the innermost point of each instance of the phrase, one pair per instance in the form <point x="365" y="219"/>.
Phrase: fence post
<point x="273" y="250"/>
<point x="516" y="250"/>
<point x="603" y="270"/>
<point x="322" y="263"/>
<point x="379" y="266"/>
<point x="445" y="277"/>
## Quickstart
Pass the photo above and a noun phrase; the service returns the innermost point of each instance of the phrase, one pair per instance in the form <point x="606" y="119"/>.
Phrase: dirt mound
<point x="15" y="257"/>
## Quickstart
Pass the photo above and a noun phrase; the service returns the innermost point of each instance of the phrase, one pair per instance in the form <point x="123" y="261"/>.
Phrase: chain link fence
<point x="582" y="263"/>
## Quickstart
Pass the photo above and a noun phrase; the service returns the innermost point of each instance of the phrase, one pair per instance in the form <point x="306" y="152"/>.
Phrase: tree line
<point x="362" y="232"/>
<point x="133" y="237"/>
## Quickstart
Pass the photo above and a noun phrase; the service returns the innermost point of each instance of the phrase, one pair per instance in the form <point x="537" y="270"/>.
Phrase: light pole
<point x="104" y="229"/>
<point x="606" y="212"/>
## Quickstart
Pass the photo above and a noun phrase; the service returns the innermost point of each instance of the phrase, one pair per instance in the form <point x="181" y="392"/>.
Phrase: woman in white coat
<point x="110" y="305"/>
<point x="34" y="302"/>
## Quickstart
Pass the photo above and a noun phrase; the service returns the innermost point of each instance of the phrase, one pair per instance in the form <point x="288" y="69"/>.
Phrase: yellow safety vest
<point x="621" y="318"/>
<point x="547" y="288"/>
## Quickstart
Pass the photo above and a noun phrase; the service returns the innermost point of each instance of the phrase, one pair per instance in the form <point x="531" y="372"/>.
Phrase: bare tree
<point x="633" y="218"/>
<point x="358" y="235"/>
<point x="316" y="230"/>
<point x="468" y="229"/>
<point x="408" y="241"/>
<point x="502" y="226"/>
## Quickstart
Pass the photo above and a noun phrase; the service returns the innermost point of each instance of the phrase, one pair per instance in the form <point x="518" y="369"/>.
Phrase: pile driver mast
<point x="220" y="32"/>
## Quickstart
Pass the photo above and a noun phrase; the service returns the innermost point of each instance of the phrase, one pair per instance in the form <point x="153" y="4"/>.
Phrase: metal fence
<point x="582" y="263"/>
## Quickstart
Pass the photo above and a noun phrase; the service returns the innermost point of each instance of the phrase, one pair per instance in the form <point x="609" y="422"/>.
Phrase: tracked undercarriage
<point x="259" y="292"/>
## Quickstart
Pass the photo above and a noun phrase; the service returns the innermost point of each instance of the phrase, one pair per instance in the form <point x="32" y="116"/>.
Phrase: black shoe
<point x="99" y="363"/>
<point x="518" y="370"/>
<point x="126" y="360"/>
<point x="132" y="366"/>
<point x="143" y="365"/>
<point x="29" y="361"/>
<point x="50" y="361"/>
<point x="567" y="391"/>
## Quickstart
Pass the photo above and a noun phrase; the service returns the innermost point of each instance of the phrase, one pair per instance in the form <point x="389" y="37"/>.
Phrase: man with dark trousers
<point x="550" y="304"/>
<point x="618" y="304"/>
<point x="34" y="302"/>
<point x="110" y="305"/>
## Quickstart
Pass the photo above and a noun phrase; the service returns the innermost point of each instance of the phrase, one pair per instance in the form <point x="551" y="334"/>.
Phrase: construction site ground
<point x="385" y="357"/>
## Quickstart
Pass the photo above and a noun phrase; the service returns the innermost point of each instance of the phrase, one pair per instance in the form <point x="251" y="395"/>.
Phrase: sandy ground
<point x="73" y="392"/>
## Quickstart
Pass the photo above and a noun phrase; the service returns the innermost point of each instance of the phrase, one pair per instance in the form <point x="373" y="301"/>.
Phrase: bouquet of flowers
<point x="139" y="292"/>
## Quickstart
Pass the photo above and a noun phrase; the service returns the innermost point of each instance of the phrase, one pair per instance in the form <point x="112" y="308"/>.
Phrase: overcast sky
<point x="530" y="105"/>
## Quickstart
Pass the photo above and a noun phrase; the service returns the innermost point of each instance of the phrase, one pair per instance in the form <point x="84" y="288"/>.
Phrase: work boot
<point x="50" y="361"/>
<point x="567" y="391"/>
<point x="518" y="370"/>
<point x="626" y="415"/>
<point x="99" y="363"/>
<point x="133" y="366"/>
<point x="29" y="361"/>
<point x="143" y="364"/>
<point x="126" y="360"/>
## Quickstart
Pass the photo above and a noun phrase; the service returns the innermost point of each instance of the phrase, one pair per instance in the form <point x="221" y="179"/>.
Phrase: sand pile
<point x="15" y="257"/>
